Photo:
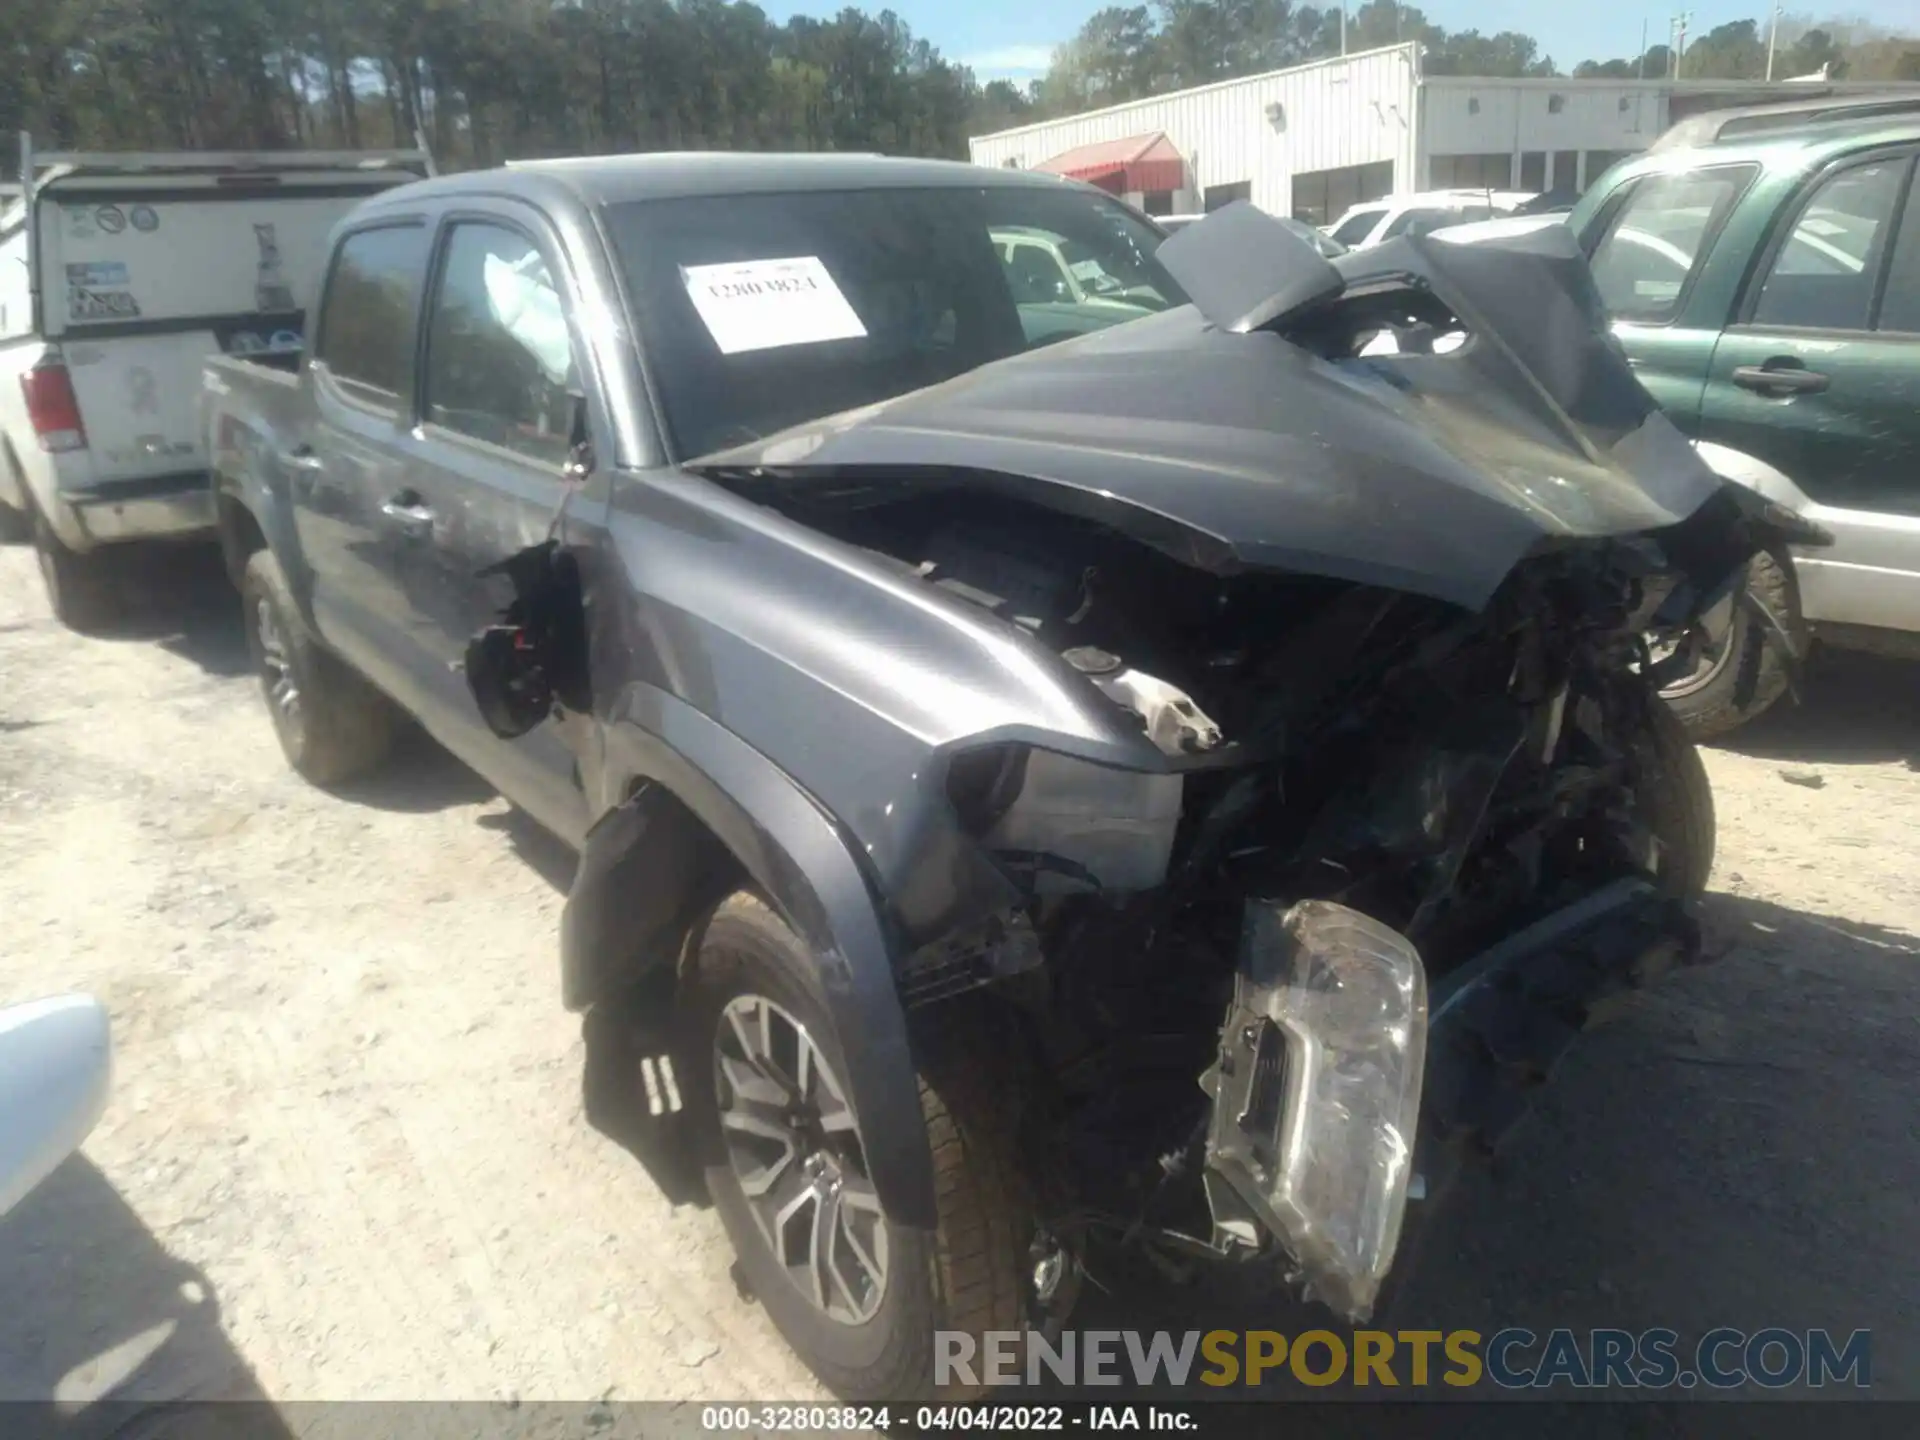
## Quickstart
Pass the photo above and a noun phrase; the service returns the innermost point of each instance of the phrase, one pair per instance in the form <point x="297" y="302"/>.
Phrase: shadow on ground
<point x="419" y="777"/>
<point x="1857" y="708"/>
<point x="1737" y="1148"/>
<point x="103" y="1333"/>
<point x="537" y="847"/>
<point x="178" y="596"/>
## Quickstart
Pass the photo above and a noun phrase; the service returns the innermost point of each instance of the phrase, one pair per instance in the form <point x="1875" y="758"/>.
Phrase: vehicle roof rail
<point x="36" y="166"/>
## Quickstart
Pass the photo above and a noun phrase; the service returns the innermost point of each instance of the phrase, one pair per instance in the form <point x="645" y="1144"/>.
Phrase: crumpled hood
<point x="1239" y="450"/>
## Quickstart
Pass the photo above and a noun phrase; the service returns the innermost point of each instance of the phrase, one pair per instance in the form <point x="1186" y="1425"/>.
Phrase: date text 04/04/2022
<point x="788" y="1419"/>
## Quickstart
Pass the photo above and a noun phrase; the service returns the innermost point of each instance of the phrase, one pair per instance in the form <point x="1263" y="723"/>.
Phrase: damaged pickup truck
<point x="1145" y="776"/>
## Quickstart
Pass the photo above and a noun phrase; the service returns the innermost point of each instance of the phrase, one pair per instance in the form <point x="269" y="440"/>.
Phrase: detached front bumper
<point x="157" y="507"/>
<point x="1336" y="1060"/>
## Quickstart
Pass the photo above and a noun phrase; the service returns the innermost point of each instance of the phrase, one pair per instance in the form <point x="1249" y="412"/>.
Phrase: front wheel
<point x="1674" y="797"/>
<point x="856" y="1295"/>
<point x="1739" y="670"/>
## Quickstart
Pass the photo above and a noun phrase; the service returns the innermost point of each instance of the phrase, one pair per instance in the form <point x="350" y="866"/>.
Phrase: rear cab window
<point x="1658" y="237"/>
<point x="762" y="311"/>
<point x="365" y="344"/>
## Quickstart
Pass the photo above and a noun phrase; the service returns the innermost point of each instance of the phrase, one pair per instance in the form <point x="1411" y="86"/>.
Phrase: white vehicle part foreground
<point x="56" y="1060"/>
<point x="1869" y="576"/>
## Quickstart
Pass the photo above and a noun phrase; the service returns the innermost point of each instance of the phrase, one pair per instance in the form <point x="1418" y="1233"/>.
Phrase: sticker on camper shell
<point x="97" y="274"/>
<point x="144" y="219"/>
<point x="111" y="219"/>
<point x="80" y="222"/>
<point x="84" y="303"/>
<point x="762" y="304"/>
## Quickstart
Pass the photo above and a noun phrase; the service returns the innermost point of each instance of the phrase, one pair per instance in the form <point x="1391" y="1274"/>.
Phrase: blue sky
<point x="1014" y="37"/>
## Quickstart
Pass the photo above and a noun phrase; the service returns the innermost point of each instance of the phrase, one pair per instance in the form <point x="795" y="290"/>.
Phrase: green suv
<point x="1767" y="292"/>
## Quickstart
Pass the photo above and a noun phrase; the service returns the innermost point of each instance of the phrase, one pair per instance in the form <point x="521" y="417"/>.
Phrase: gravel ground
<point x="346" y="1154"/>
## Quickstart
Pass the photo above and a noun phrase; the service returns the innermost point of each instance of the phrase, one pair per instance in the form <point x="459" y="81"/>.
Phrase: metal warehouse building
<point x="1312" y="140"/>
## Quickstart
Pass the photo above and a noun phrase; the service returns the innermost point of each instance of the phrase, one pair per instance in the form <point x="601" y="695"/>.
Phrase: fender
<point x="237" y="486"/>
<point x="797" y="856"/>
<point x="1756" y="474"/>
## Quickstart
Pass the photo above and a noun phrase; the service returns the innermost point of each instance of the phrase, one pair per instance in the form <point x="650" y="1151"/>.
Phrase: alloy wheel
<point x="794" y="1146"/>
<point x="276" y="670"/>
<point x="1712" y="637"/>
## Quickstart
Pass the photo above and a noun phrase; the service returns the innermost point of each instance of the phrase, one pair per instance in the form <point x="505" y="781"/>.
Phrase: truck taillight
<point x="52" y="409"/>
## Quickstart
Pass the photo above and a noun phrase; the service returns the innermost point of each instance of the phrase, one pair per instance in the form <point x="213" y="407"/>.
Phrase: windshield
<point x="762" y="311"/>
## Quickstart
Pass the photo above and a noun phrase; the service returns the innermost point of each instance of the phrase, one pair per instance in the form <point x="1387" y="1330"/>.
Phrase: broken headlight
<point x="1317" y="1095"/>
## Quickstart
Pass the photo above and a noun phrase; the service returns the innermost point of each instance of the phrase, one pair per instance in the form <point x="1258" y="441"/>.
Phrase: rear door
<point x="483" y="479"/>
<point x="1648" y="250"/>
<point x="141" y="280"/>
<point x="1819" y="377"/>
<point x="340" y="473"/>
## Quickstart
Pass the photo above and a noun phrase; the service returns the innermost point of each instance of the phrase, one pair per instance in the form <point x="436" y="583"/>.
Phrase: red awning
<point x="1139" y="163"/>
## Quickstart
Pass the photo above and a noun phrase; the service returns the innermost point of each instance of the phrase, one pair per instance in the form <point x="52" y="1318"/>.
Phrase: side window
<point x="366" y="325"/>
<point x="1823" y="274"/>
<point x="1657" y="238"/>
<point x="1421" y="222"/>
<point x="1900" y="301"/>
<point x="499" y="362"/>
<point x="15" y="309"/>
<point x="1355" y="228"/>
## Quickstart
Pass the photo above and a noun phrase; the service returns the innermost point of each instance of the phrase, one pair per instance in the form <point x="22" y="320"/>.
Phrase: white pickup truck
<point x="119" y="274"/>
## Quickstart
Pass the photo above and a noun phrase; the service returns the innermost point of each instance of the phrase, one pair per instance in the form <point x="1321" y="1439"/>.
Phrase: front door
<point x="483" y="483"/>
<point x="1819" y="377"/>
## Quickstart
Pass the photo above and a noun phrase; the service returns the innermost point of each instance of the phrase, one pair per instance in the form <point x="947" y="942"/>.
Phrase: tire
<point x="1676" y="798"/>
<point x="15" y="525"/>
<point x="331" y="724"/>
<point x="80" y="588"/>
<point x="1709" y="703"/>
<point x="967" y="1276"/>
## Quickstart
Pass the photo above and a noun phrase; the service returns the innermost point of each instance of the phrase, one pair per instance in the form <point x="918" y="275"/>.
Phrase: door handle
<point x="301" y="460"/>
<point x="1780" y="378"/>
<point x="408" y="515"/>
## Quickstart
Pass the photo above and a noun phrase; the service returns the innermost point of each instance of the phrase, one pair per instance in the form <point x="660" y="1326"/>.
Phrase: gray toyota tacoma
<point x="1052" y="773"/>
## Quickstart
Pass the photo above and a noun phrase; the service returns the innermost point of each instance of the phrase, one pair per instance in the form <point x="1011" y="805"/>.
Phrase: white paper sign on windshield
<point x="761" y="304"/>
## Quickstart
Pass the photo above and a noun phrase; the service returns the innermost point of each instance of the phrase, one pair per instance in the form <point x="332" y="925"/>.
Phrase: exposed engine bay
<point x="1341" y="754"/>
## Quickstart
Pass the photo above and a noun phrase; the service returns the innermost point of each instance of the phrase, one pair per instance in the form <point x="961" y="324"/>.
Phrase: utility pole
<point x="1343" y="27"/>
<point x="1773" y="38"/>
<point x="1680" y="45"/>
<point x="1640" y="65"/>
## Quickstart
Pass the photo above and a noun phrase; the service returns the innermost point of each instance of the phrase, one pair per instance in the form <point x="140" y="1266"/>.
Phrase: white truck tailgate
<point x="139" y="398"/>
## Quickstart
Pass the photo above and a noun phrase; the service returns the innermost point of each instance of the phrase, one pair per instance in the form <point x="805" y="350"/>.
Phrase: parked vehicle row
<point x="1765" y="286"/>
<point x="1064" y="751"/>
<point x="118" y="274"/>
<point x="1372" y="222"/>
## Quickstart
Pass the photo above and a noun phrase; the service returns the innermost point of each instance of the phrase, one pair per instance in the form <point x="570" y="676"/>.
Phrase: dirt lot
<point x="346" y="1154"/>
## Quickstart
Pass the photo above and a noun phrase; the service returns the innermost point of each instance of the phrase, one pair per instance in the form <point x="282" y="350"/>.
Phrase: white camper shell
<point x="119" y="275"/>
